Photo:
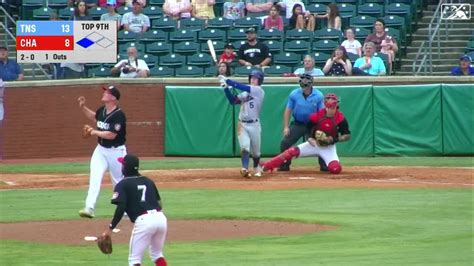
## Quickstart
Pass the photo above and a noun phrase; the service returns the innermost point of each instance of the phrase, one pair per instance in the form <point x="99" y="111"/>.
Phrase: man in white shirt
<point x="136" y="21"/>
<point x="131" y="67"/>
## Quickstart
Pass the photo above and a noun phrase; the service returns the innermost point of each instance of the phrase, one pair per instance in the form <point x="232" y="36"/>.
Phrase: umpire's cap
<point x="113" y="90"/>
<point x="130" y="164"/>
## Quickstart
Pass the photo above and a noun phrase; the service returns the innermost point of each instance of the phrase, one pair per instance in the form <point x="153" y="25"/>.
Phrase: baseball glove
<point x="104" y="242"/>
<point x="322" y="139"/>
<point x="86" y="131"/>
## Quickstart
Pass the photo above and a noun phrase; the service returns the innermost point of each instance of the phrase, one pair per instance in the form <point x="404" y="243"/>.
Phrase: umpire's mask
<point x="306" y="81"/>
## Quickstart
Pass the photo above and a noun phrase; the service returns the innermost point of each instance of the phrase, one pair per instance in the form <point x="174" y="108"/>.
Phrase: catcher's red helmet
<point x="332" y="104"/>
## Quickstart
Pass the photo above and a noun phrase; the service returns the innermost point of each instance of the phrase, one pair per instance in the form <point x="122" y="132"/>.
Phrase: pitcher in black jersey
<point x="111" y="130"/>
<point x="138" y="196"/>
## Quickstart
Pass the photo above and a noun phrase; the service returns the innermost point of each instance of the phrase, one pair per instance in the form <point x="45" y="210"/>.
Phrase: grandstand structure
<point x="173" y="52"/>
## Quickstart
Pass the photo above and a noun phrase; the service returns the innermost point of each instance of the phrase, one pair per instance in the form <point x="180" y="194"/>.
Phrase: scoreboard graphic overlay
<point x="66" y="41"/>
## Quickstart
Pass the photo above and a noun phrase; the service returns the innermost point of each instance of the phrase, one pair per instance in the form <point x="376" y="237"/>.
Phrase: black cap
<point x="130" y="164"/>
<point x="136" y="2"/>
<point x="113" y="90"/>
<point x="229" y="46"/>
<point x="250" y="30"/>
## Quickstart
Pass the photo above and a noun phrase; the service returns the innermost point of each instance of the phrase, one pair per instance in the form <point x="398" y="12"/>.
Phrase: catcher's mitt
<point x="86" y="131"/>
<point x="104" y="242"/>
<point x="322" y="139"/>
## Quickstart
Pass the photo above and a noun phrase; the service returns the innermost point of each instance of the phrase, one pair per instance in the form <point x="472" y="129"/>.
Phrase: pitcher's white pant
<point x="103" y="159"/>
<point x="249" y="135"/>
<point x="328" y="153"/>
<point x="149" y="230"/>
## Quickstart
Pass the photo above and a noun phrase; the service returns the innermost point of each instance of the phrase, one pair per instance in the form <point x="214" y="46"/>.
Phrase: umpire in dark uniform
<point x="302" y="102"/>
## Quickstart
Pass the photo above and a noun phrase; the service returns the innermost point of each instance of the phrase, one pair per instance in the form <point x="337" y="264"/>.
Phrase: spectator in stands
<point x="203" y="9"/>
<point x="369" y="65"/>
<point x="287" y="6"/>
<point x="10" y="70"/>
<point x="81" y="11"/>
<point x="224" y="69"/>
<point x="300" y="19"/>
<point x="228" y="56"/>
<point x="89" y="3"/>
<point x="308" y="67"/>
<point x="464" y="68"/>
<point x="112" y="15"/>
<point x="136" y="21"/>
<point x="258" y="8"/>
<point x="253" y="52"/>
<point x="379" y="35"/>
<point x="115" y="3"/>
<point x="339" y="64"/>
<point x="274" y="20"/>
<point x="129" y="3"/>
<point x="332" y="15"/>
<point x="234" y="9"/>
<point x="351" y="44"/>
<point x="131" y="67"/>
<point x="177" y="9"/>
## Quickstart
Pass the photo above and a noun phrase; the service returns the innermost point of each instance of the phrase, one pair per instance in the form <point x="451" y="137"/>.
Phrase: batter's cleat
<point x="257" y="171"/>
<point x="244" y="173"/>
<point x="87" y="213"/>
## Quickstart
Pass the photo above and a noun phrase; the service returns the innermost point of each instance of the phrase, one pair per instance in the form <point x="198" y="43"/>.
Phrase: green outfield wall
<point x="425" y="119"/>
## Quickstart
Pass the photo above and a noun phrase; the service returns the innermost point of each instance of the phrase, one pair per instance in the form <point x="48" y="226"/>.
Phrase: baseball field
<point x="378" y="211"/>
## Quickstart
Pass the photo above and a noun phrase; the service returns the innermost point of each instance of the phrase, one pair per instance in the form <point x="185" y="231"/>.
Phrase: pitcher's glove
<point x="322" y="139"/>
<point x="104" y="242"/>
<point x="86" y="131"/>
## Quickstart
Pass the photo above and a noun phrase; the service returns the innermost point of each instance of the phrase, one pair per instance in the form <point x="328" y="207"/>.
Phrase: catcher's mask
<point x="130" y="165"/>
<point x="258" y="74"/>
<point x="331" y="104"/>
<point x="306" y="80"/>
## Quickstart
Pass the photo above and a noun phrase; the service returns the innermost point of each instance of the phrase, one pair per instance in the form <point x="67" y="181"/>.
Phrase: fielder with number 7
<point x="249" y="129"/>
<point x="328" y="127"/>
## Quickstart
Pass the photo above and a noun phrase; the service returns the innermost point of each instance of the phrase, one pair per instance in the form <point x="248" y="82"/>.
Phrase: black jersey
<point x="115" y="122"/>
<point x="254" y="54"/>
<point x="138" y="194"/>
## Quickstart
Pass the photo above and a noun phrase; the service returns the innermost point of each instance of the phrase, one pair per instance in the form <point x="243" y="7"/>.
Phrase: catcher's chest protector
<point x="329" y="125"/>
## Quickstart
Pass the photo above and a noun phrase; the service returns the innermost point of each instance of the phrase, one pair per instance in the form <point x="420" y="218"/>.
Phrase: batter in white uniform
<point x="110" y="132"/>
<point x="249" y="129"/>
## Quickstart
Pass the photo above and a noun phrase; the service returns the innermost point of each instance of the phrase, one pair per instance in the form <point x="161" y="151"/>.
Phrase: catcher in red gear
<point x="328" y="127"/>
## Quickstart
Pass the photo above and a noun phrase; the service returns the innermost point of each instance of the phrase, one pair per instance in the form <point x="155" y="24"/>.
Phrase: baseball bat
<point x="211" y="50"/>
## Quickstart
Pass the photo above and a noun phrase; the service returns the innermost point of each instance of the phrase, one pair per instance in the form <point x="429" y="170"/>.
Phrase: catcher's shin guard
<point x="160" y="262"/>
<point x="334" y="167"/>
<point x="281" y="158"/>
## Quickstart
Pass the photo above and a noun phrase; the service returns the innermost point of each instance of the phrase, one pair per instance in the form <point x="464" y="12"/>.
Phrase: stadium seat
<point x="161" y="72"/>
<point x="57" y="4"/>
<point x="218" y="47"/>
<point x="164" y="24"/>
<point x="321" y="1"/>
<point x="27" y="7"/>
<point x="211" y="34"/>
<point x="328" y="34"/>
<point x="324" y="46"/>
<point x="470" y="46"/>
<point x="352" y="2"/>
<point x="189" y="71"/>
<point x="277" y="70"/>
<point x="247" y="22"/>
<point x="101" y="71"/>
<point x="270" y="34"/>
<point x="156" y="2"/>
<point x="66" y="13"/>
<point x="346" y="11"/>
<point x="361" y="34"/>
<point x="123" y="47"/>
<point x="172" y="60"/>
<point x="299" y="34"/>
<point x="275" y="47"/>
<point x="42" y="13"/>
<point x="124" y="9"/>
<point x="236" y="34"/>
<point x="384" y="58"/>
<point x="318" y="8"/>
<point x="237" y="44"/>
<point x="394" y="33"/>
<point x="380" y="2"/>
<point x="398" y="22"/>
<point x="402" y="10"/>
<point x="186" y="47"/>
<point x="211" y="71"/>
<point x="159" y="48"/>
<point x="243" y="71"/>
<point x="297" y="46"/>
<point x="192" y="24"/>
<point x="96" y="12"/>
<point x="183" y="35"/>
<point x="150" y="60"/>
<point x="154" y="36"/>
<point x="200" y="60"/>
<point x="125" y="36"/>
<point x="362" y="22"/>
<point x="320" y="58"/>
<point x="287" y="59"/>
<point x="220" y="23"/>
<point x="153" y="12"/>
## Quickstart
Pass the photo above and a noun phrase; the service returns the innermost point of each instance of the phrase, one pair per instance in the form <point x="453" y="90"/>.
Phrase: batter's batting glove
<point x="222" y="79"/>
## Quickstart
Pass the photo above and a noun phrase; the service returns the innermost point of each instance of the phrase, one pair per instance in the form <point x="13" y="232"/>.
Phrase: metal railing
<point x="3" y="25"/>
<point x="424" y="57"/>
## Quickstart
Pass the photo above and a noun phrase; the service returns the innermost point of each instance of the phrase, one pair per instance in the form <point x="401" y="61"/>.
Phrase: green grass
<point x="375" y="227"/>
<point x="180" y="163"/>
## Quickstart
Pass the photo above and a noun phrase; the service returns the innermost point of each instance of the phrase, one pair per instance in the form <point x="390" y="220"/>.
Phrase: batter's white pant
<point x="328" y="153"/>
<point x="149" y="231"/>
<point x="103" y="159"/>
<point x="249" y="135"/>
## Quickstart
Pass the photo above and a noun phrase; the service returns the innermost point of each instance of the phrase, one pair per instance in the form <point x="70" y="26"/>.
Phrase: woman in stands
<point x="81" y="12"/>
<point x="332" y="15"/>
<point x="351" y="44"/>
<point x="301" y="19"/>
<point x="203" y="9"/>
<point x="274" y="20"/>
<point x="338" y="64"/>
<point x="224" y="69"/>
<point x="177" y="9"/>
<point x="383" y="42"/>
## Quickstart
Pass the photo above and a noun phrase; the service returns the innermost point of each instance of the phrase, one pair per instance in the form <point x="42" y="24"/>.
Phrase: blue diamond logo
<point x="85" y="42"/>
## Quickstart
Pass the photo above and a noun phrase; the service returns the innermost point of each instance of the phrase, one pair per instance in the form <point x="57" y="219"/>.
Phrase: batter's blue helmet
<point x="258" y="74"/>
